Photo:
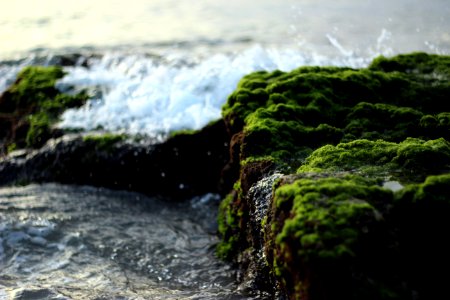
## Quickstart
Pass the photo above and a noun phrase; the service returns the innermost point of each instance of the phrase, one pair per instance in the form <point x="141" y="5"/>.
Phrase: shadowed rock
<point x="186" y="164"/>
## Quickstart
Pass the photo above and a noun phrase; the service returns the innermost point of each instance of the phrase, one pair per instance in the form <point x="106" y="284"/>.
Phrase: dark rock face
<point x="184" y="165"/>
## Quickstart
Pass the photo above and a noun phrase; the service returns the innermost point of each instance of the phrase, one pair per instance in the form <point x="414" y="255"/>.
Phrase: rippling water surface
<point x="64" y="242"/>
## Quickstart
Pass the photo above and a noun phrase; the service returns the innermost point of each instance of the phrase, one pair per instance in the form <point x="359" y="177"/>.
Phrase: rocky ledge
<point x="343" y="183"/>
<point x="337" y="180"/>
<point x="185" y="165"/>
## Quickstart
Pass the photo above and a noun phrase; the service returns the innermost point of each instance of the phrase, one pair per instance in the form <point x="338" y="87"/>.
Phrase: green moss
<point x="322" y="209"/>
<point x="11" y="147"/>
<point x="347" y="235"/>
<point x="182" y="132"/>
<point x="381" y="158"/>
<point x="104" y="142"/>
<point x="34" y="85"/>
<point x="356" y="240"/>
<point x="288" y="138"/>
<point x="415" y="63"/>
<point x="435" y="189"/>
<point x="420" y="218"/>
<point x="436" y="125"/>
<point x="325" y="228"/>
<point x="229" y="222"/>
<point x="39" y="131"/>
<point x="334" y="232"/>
<point x="33" y="104"/>
<point x="282" y="113"/>
<point x="381" y="121"/>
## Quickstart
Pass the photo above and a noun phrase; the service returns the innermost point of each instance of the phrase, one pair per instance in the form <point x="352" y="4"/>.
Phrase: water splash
<point x="151" y="95"/>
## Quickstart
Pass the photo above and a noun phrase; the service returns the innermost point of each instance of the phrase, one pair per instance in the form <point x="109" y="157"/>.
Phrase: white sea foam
<point x="393" y="186"/>
<point x="7" y="76"/>
<point x="148" y="95"/>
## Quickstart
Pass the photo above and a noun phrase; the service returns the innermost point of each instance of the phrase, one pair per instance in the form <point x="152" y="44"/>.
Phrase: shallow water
<point x="67" y="242"/>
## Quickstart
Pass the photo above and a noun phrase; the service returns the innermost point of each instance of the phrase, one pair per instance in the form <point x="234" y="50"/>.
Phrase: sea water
<point x="151" y="67"/>
<point x="79" y="242"/>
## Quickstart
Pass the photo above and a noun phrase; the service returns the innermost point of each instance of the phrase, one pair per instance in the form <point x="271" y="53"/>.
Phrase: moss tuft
<point x="104" y="142"/>
<point x="182" y="132"/>
<point x="230" y="222"/>
<point x="282" y="113"/>
<point x="380" y="158"/>
<point x="415" y="63"/>
<point x="420" y="218"/>
<point x="326" y="229"/>
<point x="32" y="105"/>
<point x="39" y="131"/>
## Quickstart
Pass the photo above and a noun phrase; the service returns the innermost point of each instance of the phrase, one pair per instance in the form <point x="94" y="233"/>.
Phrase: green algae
<point x="182" y="132"/>
<point x="32" y="105"/>
<point x="34" y="85"/>
<point x="415" y="63"/>
<point x="229" y="227"/>
<point x="348" y="235"/>
<point x="421" y="215"/>
<point x="104" y="142"/>
<point x="11" y="147"/>
<point x="323" y="211"/>
<point x="335" y="232"/>
<point x="39" y="130"/>
<point x="324" y="228"/>
<point x="281" y="113"/>
<point x="381" y="158"/>
<point x="381" y="121"/>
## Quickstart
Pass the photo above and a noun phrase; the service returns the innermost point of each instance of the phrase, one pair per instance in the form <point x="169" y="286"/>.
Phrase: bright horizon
<point x="410" y="25"/>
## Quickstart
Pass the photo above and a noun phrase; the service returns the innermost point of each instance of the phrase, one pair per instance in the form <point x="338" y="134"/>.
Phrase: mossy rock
<point x="420" y="216"/>
<point x="416" y="63"/>
<point x="31" y="106"/>
<point x="33" y="86"/>
<point x="346" y="237"/>
<point x="282" y="113"/>
<point x="104" y="142"/>
<point x="333" y="231"/>
<point x="328" y="233"/>
<point x="411" y="160"/>
<point x="230" y="222"/>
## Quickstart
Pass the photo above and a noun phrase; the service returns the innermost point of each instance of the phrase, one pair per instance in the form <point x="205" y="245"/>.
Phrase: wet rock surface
<point x="186" y="164"/>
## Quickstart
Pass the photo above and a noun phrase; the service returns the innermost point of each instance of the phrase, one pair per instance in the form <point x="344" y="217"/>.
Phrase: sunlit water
<point x="355" y="24"/>
<point x="61" y="242"/>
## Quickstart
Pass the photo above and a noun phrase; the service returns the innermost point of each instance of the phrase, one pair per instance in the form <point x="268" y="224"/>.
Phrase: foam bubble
<point x="393" y="186"/>
<point x="150" y="95"/>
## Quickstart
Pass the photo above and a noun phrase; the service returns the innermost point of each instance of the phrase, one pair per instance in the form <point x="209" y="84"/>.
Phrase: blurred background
<point x="359" y="27"/>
